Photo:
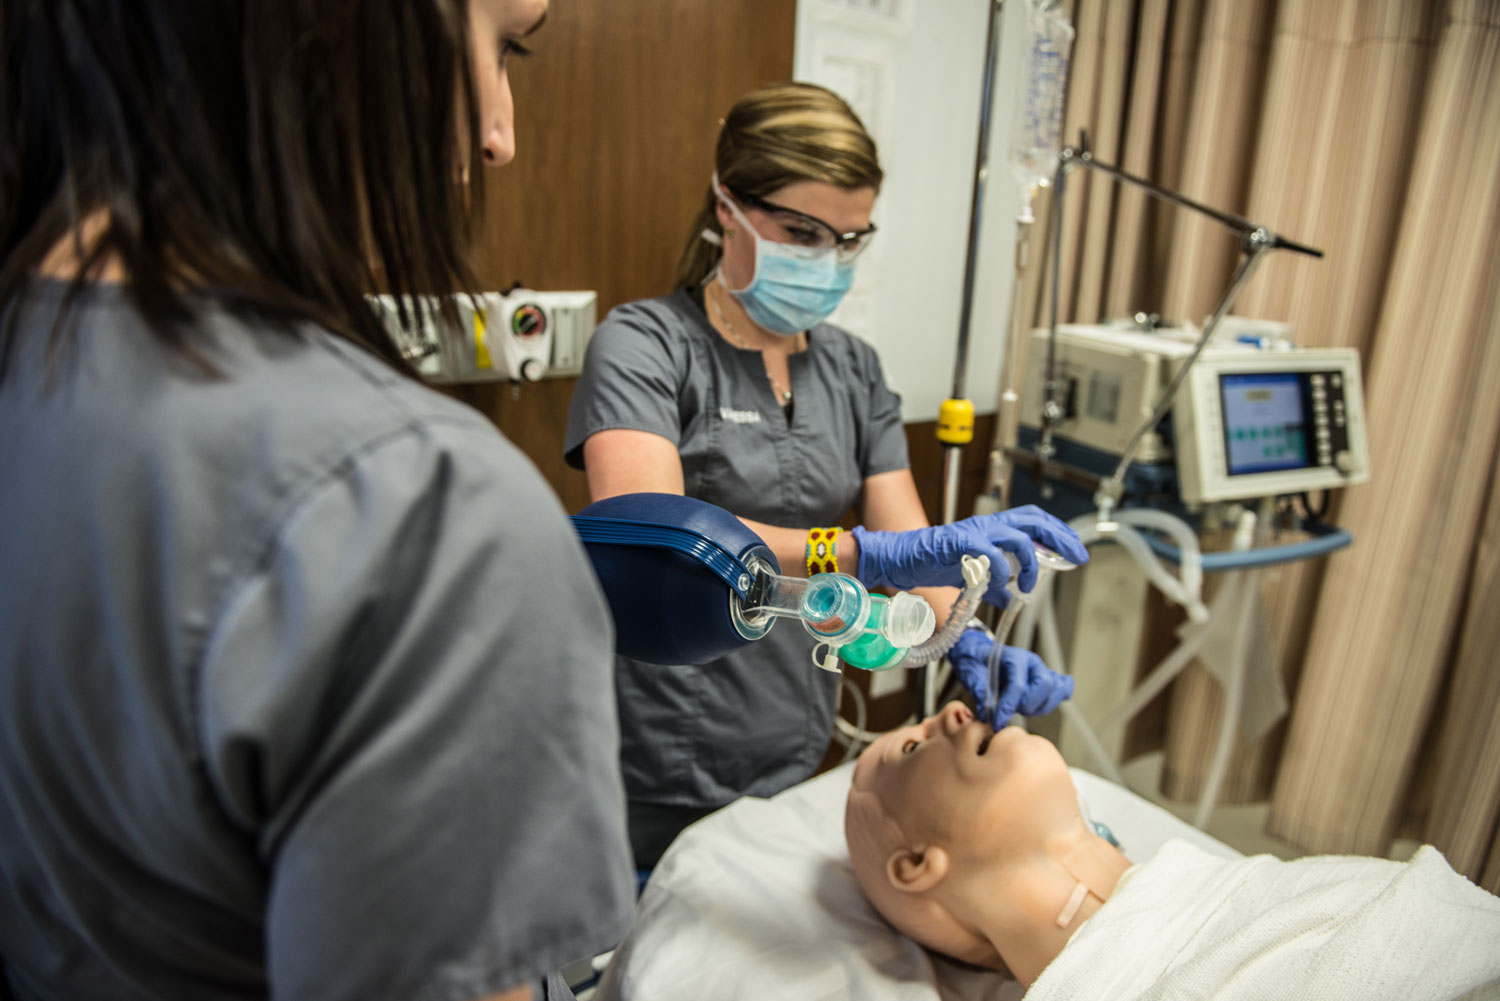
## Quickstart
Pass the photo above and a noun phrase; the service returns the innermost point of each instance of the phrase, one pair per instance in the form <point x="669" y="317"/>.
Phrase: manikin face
<point x="983" y="796"/>
<point x="844" y="211"/>
<point x="973" y="844"/>
<point x="496" y="31"/>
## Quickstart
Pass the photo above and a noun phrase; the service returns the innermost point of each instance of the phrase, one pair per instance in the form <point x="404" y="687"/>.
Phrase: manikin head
<point x="972" y="843"/>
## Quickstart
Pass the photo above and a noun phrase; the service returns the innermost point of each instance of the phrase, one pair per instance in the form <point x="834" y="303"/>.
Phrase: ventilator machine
<point x="1255" y="416"/>
<point x="1145" y="434"/>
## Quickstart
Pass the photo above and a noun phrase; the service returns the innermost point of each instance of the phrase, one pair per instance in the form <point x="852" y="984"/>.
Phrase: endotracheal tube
<point x="1046" y="562"/>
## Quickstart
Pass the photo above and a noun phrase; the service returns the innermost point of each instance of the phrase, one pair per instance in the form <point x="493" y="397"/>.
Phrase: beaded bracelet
<point x="822" y="550"/>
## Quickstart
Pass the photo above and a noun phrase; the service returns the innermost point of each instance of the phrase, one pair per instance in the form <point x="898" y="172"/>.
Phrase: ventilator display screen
<point x="1265" y="422"/>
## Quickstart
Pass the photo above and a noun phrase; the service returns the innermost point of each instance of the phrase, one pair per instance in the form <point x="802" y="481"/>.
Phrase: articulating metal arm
<point x="1255" y="240"/>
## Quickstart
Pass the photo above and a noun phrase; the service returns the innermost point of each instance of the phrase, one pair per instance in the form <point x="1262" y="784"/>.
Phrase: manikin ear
<point x="916" y="870"/>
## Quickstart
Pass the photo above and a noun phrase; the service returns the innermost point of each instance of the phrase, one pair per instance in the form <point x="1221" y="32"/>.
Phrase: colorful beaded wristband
<point x="822" y="550"/>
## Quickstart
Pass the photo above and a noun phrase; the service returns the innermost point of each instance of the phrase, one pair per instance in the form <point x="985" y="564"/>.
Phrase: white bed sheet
<point x="758" y="901"/>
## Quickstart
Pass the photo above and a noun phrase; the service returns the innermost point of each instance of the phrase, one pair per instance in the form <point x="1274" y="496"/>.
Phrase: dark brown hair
<point x="774" y="136"/>
<point x="289" y="154"/>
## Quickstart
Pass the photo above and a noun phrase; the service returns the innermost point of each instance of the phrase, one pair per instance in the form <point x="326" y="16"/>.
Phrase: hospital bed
<point x="759" y="901"/>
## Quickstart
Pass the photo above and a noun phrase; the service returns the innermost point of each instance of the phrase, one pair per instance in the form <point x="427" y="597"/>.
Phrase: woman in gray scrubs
<point x="733" y="390"/>
<point x="304" y="678"/>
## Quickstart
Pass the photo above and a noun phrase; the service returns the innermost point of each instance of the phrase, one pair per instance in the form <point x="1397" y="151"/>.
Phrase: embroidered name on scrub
<point x="739" y="416"/>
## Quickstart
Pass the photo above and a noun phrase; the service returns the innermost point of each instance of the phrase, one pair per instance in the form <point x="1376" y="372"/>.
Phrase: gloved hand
<point x="1030" y="687"/>
<point x="929" y="557"/>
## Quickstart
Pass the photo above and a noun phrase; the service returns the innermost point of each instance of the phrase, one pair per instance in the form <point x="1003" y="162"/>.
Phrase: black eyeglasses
<point x="803" y="230"/>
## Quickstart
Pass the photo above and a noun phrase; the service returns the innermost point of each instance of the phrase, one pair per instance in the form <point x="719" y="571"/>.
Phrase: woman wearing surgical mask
<point x="304" y="678"/>
<point x="735" y="390"/>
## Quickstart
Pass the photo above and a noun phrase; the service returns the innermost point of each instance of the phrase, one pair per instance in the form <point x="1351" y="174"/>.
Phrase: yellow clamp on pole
<point x="955" y="423"/>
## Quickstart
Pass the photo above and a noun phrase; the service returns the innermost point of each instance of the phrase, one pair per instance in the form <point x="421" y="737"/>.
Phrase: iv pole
<point x="1037" y="129"/>
<point x="956" y="417"/>
<point x="955" y="427"/>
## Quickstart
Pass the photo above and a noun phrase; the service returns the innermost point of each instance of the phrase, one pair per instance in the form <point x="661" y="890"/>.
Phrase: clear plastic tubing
<point x="1133" y="542"/>
<point x="1171" y="525"/>
<point x="1047" y="561"/>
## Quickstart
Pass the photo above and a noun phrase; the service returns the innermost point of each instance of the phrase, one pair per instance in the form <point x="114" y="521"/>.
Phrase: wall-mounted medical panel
<point x="519" y="336"/>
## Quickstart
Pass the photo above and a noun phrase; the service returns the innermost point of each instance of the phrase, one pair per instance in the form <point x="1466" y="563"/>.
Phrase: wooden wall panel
<point x="926" y="454"/>
<point x="616" y="117"/>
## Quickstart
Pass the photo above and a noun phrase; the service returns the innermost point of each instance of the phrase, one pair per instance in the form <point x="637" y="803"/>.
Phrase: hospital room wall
<point x="914" y="70"/>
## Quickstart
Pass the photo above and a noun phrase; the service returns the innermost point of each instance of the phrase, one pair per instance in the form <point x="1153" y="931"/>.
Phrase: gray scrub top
<point x="757" y="721"/>
<point x="304" y="680"/>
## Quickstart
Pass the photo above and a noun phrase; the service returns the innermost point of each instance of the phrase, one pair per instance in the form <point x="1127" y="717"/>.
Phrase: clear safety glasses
<point x="802" y="230"/>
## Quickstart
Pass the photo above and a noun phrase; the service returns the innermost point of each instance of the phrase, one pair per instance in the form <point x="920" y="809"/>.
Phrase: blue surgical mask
<point x="793" y="288"/>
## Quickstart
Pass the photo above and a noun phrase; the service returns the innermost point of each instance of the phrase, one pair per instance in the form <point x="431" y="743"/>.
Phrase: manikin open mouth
<point x="984" y="743"/>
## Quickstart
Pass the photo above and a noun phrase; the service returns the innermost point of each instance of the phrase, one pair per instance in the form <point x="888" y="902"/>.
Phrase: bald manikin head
<point x="971" y="842"/>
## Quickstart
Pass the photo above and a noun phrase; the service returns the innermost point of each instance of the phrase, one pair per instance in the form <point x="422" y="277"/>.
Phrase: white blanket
<point x="1189" y="925"/>
<point x="758" y="902"/>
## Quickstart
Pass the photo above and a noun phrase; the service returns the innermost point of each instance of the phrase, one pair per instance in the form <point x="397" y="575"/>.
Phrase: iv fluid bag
<point x="1036" y="136"/>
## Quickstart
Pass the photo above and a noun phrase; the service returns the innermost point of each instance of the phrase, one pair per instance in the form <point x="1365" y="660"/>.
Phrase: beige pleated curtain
<point x="1371" y="130"/>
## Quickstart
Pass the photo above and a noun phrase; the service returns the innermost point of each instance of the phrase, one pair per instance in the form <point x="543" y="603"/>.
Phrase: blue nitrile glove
<point x="1031" y="687"/>
<point x="929" y="557"/>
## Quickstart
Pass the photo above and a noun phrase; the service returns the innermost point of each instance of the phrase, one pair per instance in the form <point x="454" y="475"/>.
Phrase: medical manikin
<point x="972" y="843"/>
